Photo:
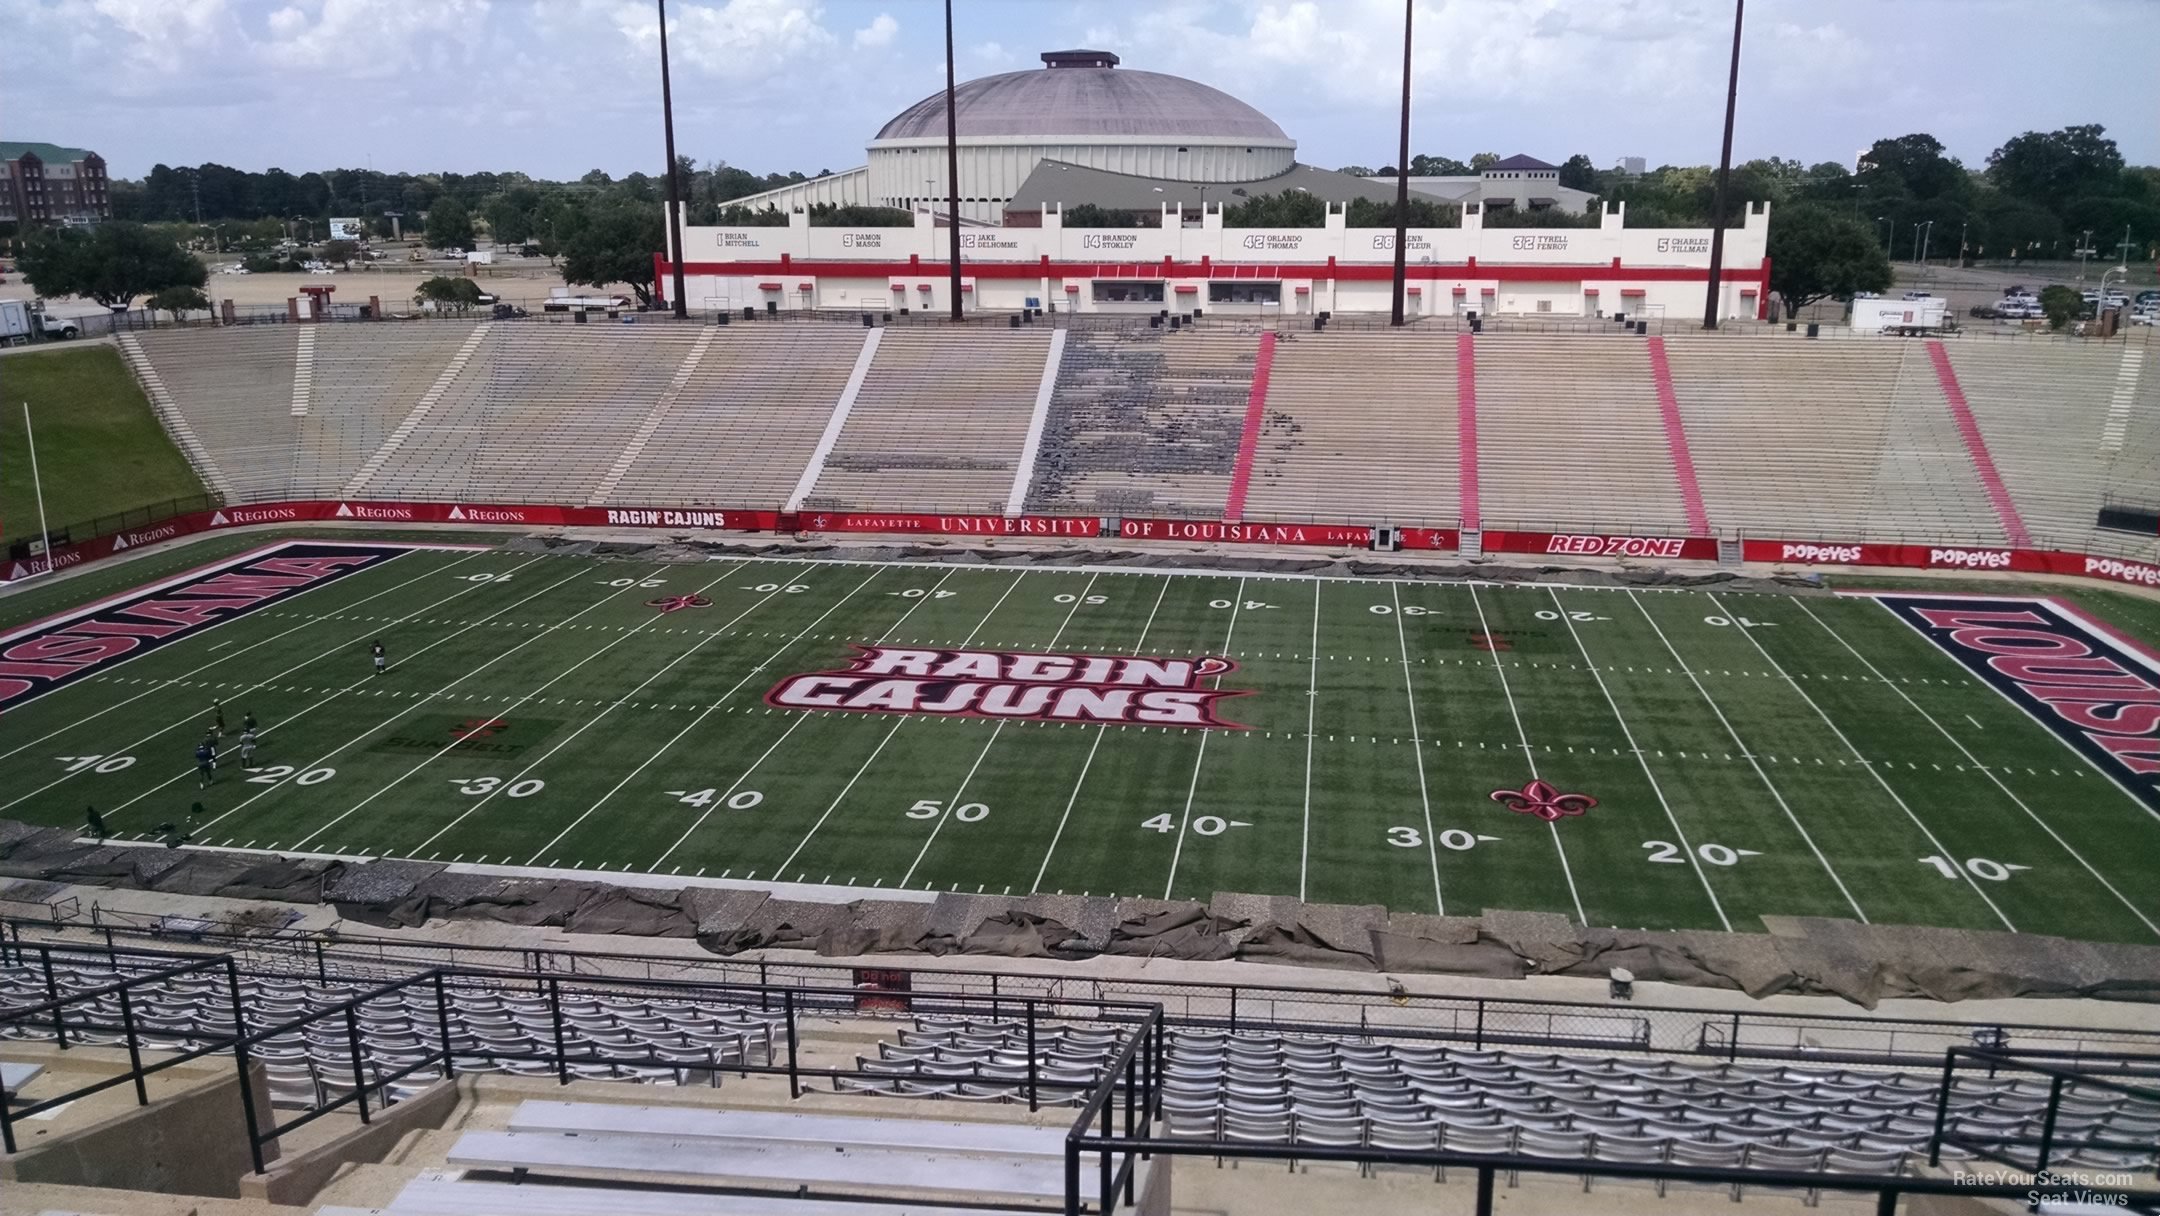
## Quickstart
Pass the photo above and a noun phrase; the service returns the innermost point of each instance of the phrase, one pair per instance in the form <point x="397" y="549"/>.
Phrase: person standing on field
<point x="381" y="657"/>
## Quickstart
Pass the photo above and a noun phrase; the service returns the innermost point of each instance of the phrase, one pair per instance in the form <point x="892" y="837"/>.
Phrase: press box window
<point x="1244" y="293"/>
<point x="1128" y="292"/>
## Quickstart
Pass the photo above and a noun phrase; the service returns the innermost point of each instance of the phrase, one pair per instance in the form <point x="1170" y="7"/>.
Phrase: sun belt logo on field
<point x="1135" y="690"/>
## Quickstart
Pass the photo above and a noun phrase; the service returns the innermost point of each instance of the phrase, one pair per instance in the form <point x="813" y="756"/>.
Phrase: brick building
<point x="48" y="184"/>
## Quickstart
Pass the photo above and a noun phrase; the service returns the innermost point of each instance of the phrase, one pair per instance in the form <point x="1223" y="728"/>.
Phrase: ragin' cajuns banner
<point x="1040" y="687"/>
<point x="59" y="650"/>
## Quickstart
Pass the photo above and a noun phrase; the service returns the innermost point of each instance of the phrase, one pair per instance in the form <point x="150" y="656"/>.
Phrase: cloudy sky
<point x="558" y="87"/>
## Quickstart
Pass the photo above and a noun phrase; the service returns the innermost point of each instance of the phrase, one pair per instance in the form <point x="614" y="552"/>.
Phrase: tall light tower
<point x="674" y="183"/>
<point x="1724" y="175"/>
<point x="952" y="174"/>
<point x="1402" y="177"/>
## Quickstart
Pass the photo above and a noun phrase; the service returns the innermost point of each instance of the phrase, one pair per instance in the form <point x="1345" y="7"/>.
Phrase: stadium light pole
<point x="674" y="174"/>
<point x="1724" y="176"/>
<point x="1402" y="175"/>
<point x="952" y="175"/>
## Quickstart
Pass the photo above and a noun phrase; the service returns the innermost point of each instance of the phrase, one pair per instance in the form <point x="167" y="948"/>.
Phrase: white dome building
<point x="1079" y="109"/>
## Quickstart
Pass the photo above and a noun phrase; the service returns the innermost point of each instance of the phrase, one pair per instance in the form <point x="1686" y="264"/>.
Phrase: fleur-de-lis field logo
<point x="676" y="603"/>
<point x="1544" y="800"/>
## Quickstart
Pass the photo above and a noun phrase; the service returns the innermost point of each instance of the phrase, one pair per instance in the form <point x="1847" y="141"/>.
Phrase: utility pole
<point x="674" y="175"/>
<point x="1402" y="176"/>
<point x="1724" y="176"/>
<point x="952" y="173"/>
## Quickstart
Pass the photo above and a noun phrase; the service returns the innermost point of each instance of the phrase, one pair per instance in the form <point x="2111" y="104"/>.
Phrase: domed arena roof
<point x="1080" y="93"/>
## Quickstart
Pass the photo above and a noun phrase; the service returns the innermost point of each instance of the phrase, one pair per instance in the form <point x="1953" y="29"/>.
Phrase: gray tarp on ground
<point x="1865" y="964"/>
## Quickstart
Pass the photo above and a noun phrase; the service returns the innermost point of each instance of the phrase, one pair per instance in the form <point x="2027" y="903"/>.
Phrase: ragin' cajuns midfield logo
<point x="1126" y="689"/>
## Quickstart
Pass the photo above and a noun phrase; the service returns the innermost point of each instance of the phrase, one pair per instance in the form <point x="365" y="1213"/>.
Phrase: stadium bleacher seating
<point x="1144" y="422"/>
<point x="937" y="426"/>
<point x="1359" y="426"/>
<point x="741" y="429"/>
<point x="1256" y="1086"/>
<point x="1838" y="440"/>
<point x="234" y="387"/>
<point x="1569" y="435"/>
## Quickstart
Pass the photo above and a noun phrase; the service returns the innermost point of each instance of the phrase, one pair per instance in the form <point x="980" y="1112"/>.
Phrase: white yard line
<point x="1101" y="729"/>
<point x="605" y="710"/>
<point x="954" y="801"/>
<point x="314" y="620"/>
<point x="1753" y="763"/>
<point x="1984" y="768"/>
<point x="424" y="700"/>
<point x="899" y="722"/>
<point x="451" y="746"/>
<point x="1529" y="755"/>
<point x="244" y="691"/>
<point x="1940" y="848"/>
<point x="2105" y="775"/>
<point x="1643" y="758"/>
<point x="720" y="701"/>
<point x="1312" y="700"/>
<point x="1200" y="757"/>
<point x="1417" y="748"/>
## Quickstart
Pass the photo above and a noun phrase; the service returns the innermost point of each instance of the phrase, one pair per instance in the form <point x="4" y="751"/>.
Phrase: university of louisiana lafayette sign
<point x="1083" y="688"/>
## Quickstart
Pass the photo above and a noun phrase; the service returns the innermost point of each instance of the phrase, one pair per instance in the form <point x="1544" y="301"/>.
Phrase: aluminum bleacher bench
<point x="757" y="1126"/>
<point x="624" y="1157"/>
<point x="442" y="1197"/>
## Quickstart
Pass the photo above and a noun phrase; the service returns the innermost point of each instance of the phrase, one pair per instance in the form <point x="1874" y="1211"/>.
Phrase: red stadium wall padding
<point x="679" y="519"/>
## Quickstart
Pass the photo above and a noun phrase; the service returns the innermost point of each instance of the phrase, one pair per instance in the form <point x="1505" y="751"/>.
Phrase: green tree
<point x="510" y="215"/>
<point x="1423" y="165"/>
<point x="1912" y="165"/>
<point x="2053" y="167"/>
<point x="828" y="215"/>
<point x="1815" y="252"/>
<point x="1088" y="215"/>
<point x="448" y="291"/>
<point x="111" y="263"/>
<point x="1482" y="161"/>
<point x="449" y="225"/>
<point x="177" y="300"/>
<point x="341" y="252"/>
<point x="1290" y="209"/>
<point x="753" y="217"/>
<point x="1424" y="213"/>
<point x="2061" y="305"/>
<point x="1578" y="173"/>
<point x="615" y="244"/>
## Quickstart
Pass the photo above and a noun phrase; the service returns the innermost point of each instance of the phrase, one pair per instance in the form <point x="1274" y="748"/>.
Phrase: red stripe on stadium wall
<point x="1683" y="461"/>
<point x="1976" y="447"/>
<point x="1249" y="439"/>
<point x="1466" y="441"/>
<point x="1321" y="271"/>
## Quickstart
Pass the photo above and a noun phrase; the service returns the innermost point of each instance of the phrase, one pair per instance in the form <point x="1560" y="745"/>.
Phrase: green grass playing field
<point x="100" y="450"/>
<point x="1749" y="754"/>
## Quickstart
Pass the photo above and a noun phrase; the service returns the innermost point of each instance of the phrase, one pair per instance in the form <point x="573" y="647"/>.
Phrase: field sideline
<point x="1748" y="754"/>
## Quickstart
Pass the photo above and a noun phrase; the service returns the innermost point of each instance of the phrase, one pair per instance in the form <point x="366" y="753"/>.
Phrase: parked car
<point x="2019" y="290"/>
<point x="2148" y="297"/>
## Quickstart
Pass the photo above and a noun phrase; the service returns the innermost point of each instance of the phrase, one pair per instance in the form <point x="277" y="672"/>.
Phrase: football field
<point x="1638" y="758"/>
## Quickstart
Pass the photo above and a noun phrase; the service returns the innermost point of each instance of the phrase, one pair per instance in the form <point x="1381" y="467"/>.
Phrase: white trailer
<point x="1904" y="318"/>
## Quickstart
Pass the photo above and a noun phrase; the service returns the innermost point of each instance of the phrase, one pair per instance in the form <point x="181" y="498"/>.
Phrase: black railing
<point x="783" y="1056"/>
<point x="2113" y="1074"/>
<point x="1476" y="1022"/>
<point x="24" y="530"/>
<point x="53" y="1014"/>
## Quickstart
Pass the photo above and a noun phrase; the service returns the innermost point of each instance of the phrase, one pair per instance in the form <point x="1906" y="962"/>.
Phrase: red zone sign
<point x="59" y="650"/>
<point x="1141" y="691"/>
<point x="2100" y="696"/>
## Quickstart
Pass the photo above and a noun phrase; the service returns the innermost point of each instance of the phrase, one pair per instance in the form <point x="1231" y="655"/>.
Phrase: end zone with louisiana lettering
<point x="2097" y="694"/>
<point x="59" y="650"/>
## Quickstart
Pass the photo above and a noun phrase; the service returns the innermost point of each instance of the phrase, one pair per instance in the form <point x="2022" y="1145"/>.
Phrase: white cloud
<point x="879" y="33"/>
<point x="739" y="39"/>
